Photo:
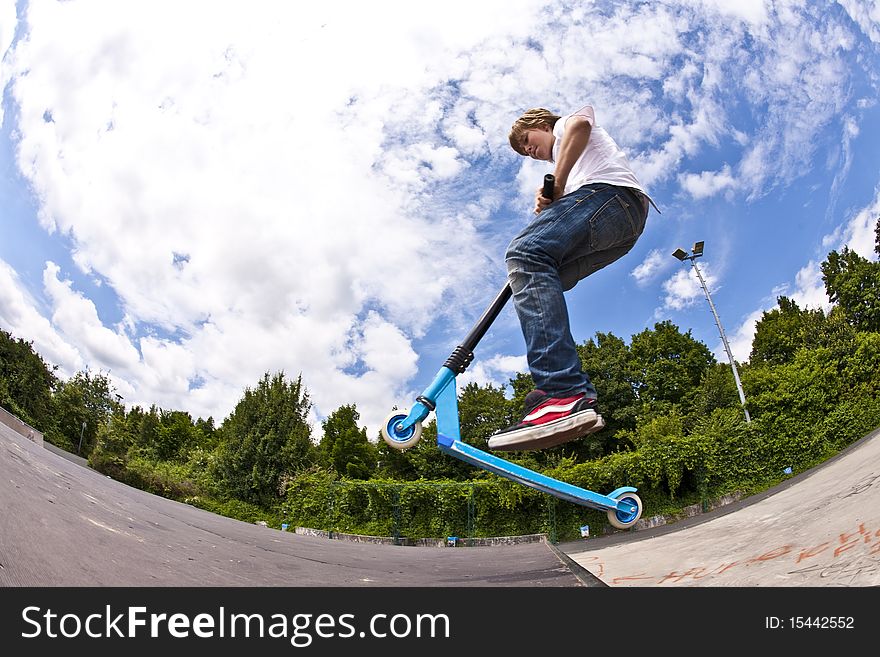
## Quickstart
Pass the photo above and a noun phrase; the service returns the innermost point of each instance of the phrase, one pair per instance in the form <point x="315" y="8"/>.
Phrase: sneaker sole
<point x="548" y="435"/>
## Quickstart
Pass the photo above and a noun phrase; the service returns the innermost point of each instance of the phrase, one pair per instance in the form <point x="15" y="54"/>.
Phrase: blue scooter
<point x="403" y="430"/>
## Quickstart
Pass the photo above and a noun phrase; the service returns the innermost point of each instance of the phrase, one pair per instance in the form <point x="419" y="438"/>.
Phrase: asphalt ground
<point x="62" y="524"/>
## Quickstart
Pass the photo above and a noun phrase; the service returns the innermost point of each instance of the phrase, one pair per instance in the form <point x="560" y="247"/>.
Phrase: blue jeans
<point x="575" y="236"/>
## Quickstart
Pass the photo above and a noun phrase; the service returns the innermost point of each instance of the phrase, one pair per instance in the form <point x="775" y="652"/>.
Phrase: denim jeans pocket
<point x="613" y="225"/>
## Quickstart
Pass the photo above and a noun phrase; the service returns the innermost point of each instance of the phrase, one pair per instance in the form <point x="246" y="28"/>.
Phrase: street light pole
<point x="682" y="255"/>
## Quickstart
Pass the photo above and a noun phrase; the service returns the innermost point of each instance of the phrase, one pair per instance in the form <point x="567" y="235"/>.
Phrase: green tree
<point x="877" y="238"/>
<point x="657" y="429"/>
<point x="717" y="389"/>
<point x="174" y="436"/>
<point x="393" y="463"/>
<point x="113" y="441"/>
<point x="482" y="411"/>
<point x="265" y="439"/>
<point x="344" y="446"/>
<point x="206" y="433"/>
<point x="26" y="382"/>
<point x="424" y="460"/>
<point x="83" y="404"/>
<point x="148" y="430"/>
<point x="608" y="362"/>
<point x="521" y="385"/>
<point x="668" y="367"/>
<point x="781" y="332"/>
<point x="853" y="283"/>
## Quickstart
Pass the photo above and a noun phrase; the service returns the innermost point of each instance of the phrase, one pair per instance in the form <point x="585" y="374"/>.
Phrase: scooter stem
<point x="463" y="354"/>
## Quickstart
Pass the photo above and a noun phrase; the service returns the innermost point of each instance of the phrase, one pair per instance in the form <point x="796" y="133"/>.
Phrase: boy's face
<point x="538" y="143"/>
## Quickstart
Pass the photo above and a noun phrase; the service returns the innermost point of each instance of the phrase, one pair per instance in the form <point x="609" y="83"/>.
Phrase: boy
<point x="597" y="213"/>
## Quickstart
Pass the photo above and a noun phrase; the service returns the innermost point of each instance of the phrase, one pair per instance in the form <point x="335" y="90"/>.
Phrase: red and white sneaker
<point x="549" y="421"/>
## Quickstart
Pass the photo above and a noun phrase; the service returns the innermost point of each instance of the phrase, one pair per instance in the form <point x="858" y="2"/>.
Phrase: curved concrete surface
<point x="821" y="528"/>
<point x="65" y="525"/>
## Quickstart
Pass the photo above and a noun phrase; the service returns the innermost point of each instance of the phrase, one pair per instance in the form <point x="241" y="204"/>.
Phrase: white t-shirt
<point x="602" y="160"/>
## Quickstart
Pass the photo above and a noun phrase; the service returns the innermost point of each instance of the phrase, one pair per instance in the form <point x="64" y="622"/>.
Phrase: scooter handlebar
<point x="549" y="184"/>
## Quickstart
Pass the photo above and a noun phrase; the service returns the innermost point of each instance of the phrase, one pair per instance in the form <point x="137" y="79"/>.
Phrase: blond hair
<point x="534" y="118"/>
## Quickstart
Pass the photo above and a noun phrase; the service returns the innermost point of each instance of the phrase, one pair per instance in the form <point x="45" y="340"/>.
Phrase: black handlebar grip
<point x="549" y="184"/>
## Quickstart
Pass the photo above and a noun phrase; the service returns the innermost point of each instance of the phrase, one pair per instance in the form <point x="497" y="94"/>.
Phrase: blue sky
<point x="188" y="204"/>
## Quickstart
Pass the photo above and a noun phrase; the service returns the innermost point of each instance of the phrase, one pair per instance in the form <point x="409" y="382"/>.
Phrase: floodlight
<point x="682" y="255"/>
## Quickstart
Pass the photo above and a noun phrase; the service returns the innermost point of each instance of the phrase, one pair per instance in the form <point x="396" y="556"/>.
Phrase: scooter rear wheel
<point x="397" y="439"/>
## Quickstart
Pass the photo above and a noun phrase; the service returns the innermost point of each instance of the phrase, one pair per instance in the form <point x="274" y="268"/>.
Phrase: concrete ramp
<point x="65" y="525"/>
<point x="820" y="528"/>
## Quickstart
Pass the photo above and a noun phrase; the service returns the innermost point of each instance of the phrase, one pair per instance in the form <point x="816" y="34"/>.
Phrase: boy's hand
<point x="541" y="201"/>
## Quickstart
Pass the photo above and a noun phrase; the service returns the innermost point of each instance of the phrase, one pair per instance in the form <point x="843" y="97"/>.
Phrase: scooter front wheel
<point x="397" y="439"/>
<point x="625" y="519"/>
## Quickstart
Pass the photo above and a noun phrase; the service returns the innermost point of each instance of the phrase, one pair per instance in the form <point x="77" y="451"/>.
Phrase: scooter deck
<point x="536" y="480"/>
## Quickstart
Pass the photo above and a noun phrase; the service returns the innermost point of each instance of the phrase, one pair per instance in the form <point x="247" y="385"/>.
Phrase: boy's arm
<point x="575" y="138"/>
<point x="574" y="141"/>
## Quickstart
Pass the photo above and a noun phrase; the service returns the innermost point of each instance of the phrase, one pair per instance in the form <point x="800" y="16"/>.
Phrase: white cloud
<point x="708" y="183"/>
<point x="654" y="263"/>
<point x="684" y="289"/>
<point x="809" y="289"/>
<point x="268" y="203"/>
<point x="20" y="315"/>
<point x="740" y="341"/>
<point x="800" y="73"/>
<point x="77" y="318"/>
<point x="857" y="234"/>
<point x="8" y="22"/>
<point x="308" y="187"/>
<point x="496" y="371"/>
<point x="750" y="11"/>
<point x="866" y="13"/>
<point x="840" y="164"/>
<point x="255" y="218"/>
<point x="790" y="70"/>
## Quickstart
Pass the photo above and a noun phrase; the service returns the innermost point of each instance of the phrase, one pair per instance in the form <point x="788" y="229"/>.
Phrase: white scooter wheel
<point x="625" y="520"/>
<point x="397" y="439"/>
